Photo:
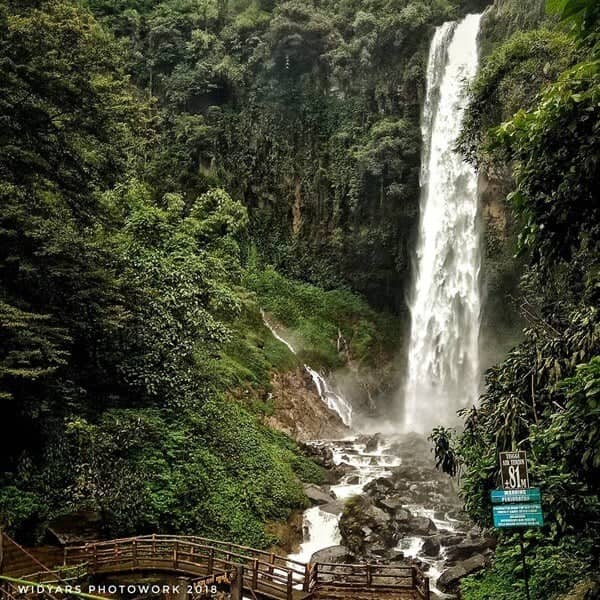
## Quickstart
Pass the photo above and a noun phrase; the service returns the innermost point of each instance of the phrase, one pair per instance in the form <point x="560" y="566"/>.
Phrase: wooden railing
<point x="199" y="557"/>
<point x="369" y="575"/>
<point x="263" y="573"/>
<point x="66" y="575"/>
<point x="421" y="583"/>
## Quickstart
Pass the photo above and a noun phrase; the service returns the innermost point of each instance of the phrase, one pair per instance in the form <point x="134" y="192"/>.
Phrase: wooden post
<point x="524" y="561"/>
<point x="290" y="585"/>
<point x="254" y="574"/>
<point x="153" y="545"/>
<point x="306" y="586"/>
<point x="426" y="587"/>
<point x="211" y="559"/>
<point x="272" y="561"/>
<point x="182" y="588"/>
<point x="369" y="575"/>
<point x="414" y="577"/>
<point x="135" y="560"/>
<point x="175" y="559"/>
<point x="237" y="585"/>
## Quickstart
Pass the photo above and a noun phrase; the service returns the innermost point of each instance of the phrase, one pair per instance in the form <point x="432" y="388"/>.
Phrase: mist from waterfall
<point x="443" y="357"/>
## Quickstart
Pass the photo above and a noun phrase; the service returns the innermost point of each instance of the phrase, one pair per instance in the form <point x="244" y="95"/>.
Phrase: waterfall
<point x="443" y="356"/>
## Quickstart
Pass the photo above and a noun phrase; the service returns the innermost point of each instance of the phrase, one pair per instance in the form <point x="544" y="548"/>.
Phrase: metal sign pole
<point x="523" y="558"/>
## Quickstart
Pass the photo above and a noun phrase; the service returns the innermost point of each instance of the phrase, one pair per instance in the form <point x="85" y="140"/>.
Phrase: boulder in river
<point x="332" y="554"/>
<point x="372" y="442"/>
<point x="334" y="508"/>
<point x="364" y="526"/>
<point x="391" y="505"/>
<point x="419" y="526"/>
<point x="469" y="547"/>
<point x="431" y="546"/>
<point x="449" y="580"/>
<point x="318" y="495"/>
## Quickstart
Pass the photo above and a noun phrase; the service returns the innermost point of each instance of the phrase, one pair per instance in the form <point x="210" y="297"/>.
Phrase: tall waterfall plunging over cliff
<point x="443" y="358"/>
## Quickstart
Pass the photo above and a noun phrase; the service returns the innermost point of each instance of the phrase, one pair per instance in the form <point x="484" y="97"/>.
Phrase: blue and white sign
<point x="519" y="514"/>
<point x="524" y="495"/>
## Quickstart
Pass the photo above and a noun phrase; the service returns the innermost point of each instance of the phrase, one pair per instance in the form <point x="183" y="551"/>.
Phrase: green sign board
<point x="525" y="495"/>
<point x="518" y="514"/>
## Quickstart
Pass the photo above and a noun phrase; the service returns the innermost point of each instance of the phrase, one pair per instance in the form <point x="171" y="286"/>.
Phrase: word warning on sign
<point x="513" y="467"/>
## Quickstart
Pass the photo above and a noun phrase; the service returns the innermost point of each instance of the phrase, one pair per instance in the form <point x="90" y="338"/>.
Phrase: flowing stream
<point x="321" y="522"/>
<point x="443" y="357"/>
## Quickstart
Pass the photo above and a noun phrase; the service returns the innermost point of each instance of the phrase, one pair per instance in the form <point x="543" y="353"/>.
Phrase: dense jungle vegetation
<point x="170" y="167"/>
<point x="133" y="260"/>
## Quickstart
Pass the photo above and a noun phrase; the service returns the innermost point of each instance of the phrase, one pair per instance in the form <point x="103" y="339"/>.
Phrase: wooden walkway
<point x="208" y="565"/>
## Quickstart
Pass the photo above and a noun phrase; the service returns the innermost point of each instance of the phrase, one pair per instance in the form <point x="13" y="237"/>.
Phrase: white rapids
<point x="443" y="358"/>
<point x="321" y="528"/>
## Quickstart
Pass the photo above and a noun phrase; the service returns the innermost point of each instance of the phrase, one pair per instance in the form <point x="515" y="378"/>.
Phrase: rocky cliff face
<point x="505" y="17"/>
<point x="501" y="324"/>
<point x="299" y="411"/>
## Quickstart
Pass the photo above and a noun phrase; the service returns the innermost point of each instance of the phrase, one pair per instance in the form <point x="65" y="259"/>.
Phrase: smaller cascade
<point x="275" y="334"/>
<point x="334" y="401"/>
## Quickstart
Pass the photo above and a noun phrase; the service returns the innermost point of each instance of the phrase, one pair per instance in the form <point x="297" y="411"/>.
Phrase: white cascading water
<point x="335" y="402"/>
<point x="321" y="527"/>
<point x="443" y="357"/>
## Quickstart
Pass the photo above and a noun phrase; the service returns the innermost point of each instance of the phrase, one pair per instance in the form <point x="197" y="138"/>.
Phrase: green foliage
<point x="553" y="569"/>
<point x="556" y="152"/>
<point x="509" y="17"/>
<point x="208" y="470"/>
<point x="445" y="454"/>
<point x="328" y="328"/>
<point x="307" y="112"/>
<point x="21" y="511"/>
<point x="510" y="79"/>
<point x="570" y="442"/>
<point x="582" y="15"/>
<point x="115" y="300"/>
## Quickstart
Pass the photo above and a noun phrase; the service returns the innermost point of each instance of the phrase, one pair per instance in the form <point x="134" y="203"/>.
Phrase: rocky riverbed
<point x="388" y="503"/>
